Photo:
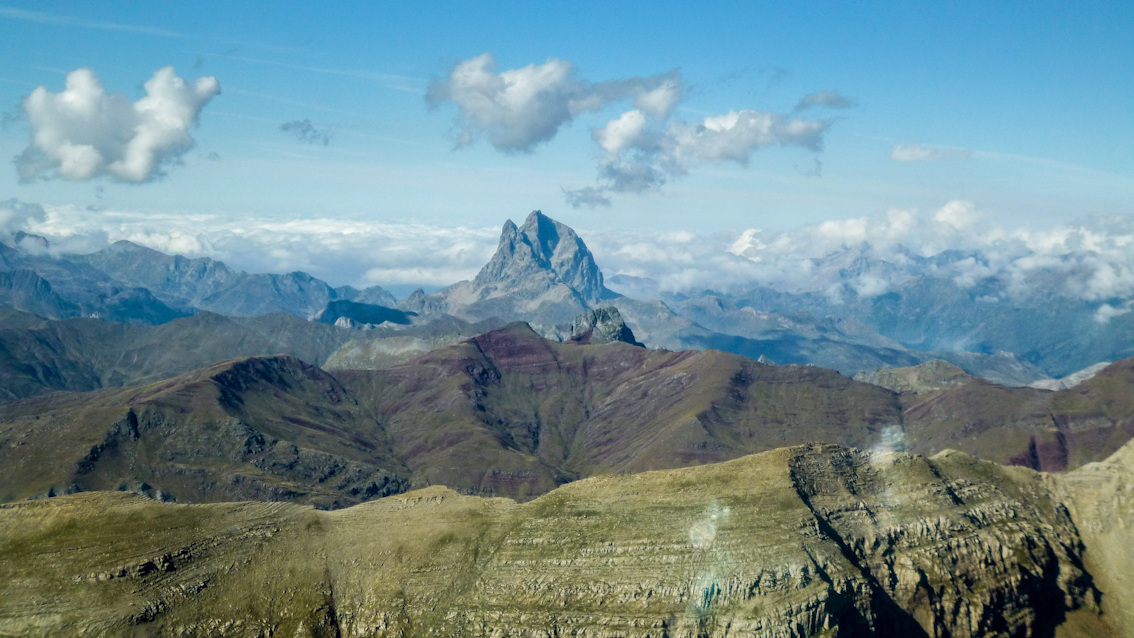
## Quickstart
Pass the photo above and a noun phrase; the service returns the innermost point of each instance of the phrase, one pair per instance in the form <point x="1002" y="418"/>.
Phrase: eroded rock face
<point x="602" y="325"/>
<point x="805" y="541"/>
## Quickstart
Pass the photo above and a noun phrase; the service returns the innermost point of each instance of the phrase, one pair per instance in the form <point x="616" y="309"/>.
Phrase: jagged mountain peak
<point x="542" y="252"/>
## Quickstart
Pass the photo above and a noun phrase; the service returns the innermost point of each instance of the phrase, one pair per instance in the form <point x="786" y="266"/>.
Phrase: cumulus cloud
<point x="640" y="155"/>
<point x="828" y="99"/>
<point x="919" y="153"/>
<point x="518" y="109"/>
<point x="958" y="214"/>
<point x="1090" y="261"/>
<point x="640" y="149"/>
<point x="624" y="132"/>
<point x="306" y="132"/>
<point x="84" y="132"/>
<point x="734" y="136"/>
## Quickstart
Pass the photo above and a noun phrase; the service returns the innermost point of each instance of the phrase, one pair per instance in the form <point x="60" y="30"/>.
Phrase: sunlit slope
<point x="813" y="540"/>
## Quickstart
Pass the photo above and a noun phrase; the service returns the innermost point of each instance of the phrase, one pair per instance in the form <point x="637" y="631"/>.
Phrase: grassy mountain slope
<point x="535" y="413"/>
<point x="1052" y="431"/>
<point x="813" y="540"/>
<point x="38" y="356"/>
<point x="269" y="429"/>
<point x="510" y="413"/>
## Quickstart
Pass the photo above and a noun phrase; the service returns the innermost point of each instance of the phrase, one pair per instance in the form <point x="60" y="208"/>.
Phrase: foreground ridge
<point x="810" y="540"/>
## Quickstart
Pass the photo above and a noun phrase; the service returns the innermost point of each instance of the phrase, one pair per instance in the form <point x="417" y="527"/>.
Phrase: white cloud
<point x="16" y="215"/>
<point x="640" y="156"/>
<point x="1090" y="261"/>
<point x="1106" y="312"/>
<point x="828" y="99"/>
<point x="83" y="132"/>
<point x="733" y="136"/>
<point x="919" y="153"/>
<point x="659" y="101"/>
<point x="957" y="214"/>
<point x="621" y="133"/>
<point x="520" y="108"/>
<point x="340" y="251"/>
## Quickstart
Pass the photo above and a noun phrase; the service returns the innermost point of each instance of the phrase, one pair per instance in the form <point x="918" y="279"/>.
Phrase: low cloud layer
<point x="864" y="256"/>
<point x="16" y="216"/>
<point x="84" y="132"/>
<point x="516" y="110"/>
<point x="919" y="153"/>
<point x="340" y="251"/>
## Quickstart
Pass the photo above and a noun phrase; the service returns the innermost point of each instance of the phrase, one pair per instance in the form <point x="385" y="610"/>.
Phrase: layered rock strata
<point x="804" y="541"/>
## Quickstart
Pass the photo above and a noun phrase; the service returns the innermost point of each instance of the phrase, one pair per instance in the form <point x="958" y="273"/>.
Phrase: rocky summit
<point x="803" y="541"/>
<point x="542" y="273"/>
<point x="538" y="255"/>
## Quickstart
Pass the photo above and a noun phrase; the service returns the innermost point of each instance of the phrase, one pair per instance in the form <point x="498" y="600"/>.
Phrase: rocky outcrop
<point x="602" y="325"/>
<point x="598" y="326"/>
<point x="804" y="541"/>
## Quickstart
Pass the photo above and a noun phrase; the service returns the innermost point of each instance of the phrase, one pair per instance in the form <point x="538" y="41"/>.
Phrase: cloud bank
<point x="16" y="216"/>
<point x="516" y="110"/>
<point x="84" y="132"/>
<point x="1090" y="261"/>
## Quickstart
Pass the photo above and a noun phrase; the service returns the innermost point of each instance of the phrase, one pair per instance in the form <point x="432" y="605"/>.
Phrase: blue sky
<point x="1021" y="108"/>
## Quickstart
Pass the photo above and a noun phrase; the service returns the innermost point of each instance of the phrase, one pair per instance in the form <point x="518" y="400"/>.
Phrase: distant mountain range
<point x="162" y="287"/>
<point x="543" y="273"/>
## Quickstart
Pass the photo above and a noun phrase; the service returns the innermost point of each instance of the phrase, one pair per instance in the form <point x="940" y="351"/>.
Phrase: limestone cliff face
<point x="1100" y="497"/>
<point x="805" y="541"/>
